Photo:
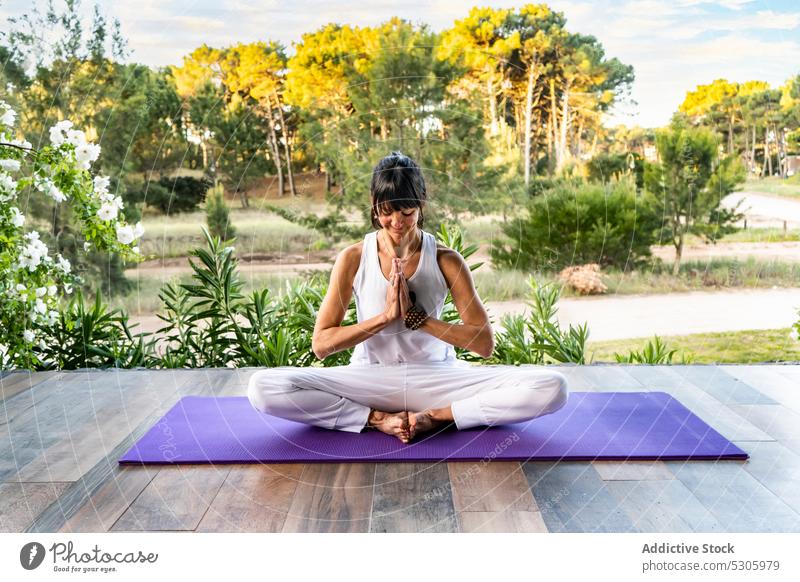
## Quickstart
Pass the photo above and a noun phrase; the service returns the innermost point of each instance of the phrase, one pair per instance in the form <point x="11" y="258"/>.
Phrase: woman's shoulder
<point x="445" y="255"/>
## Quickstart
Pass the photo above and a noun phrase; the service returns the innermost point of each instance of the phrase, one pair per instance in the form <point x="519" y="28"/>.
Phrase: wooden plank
<point x="777" y="468"/>
<point x="76" y="453"/>
<point x="738" y="500"/>
<point x="769" y="380"/>
<point x="254" y="498"/>
<point x="20" y="503"/>
<point x="725" y="387"/>
<point x="176" y="499"/>
<point x="578" y="379"/>
<point x="13" y="383"/>
<point x="777" y="421"/>
<point x="632" y="470"/>
<point x="493" y="497"/>
<point x="412" y="498"/>
<point x="612" y="378"/>
<point x="709" y="409"/>
<point x="572" y="498"/>
<point x="501" y="522"/>
<point x="491" y="486"/>
<point x="332" y="497"/>
<point x="110" y="500"/>
<point x="172" y="385"/>
<point x="661" y="506"/>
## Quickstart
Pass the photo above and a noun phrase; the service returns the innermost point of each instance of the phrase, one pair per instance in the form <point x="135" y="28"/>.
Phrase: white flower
<point x="135" y="250"/>
<point x="125" y="234"/>
<point x="28" y="335"/>
<point x="87" y="245"/>
<point x="10" y="165"/>
<point x="63" y="264"/>
<point x="795" y="335"/>
<point x="48" y="187"/>
<point x="138" y="230"/>
<point x="107" y="212"/>
<point x="8" y="186"/>
<point x="52" y="317"/>
<point x="7" y="114"/>
<point x="86" y="153"/>
<point x="23" y="143"/>
<point x="101" y="184"/>
<point x="67" y="288"/>
<point x="21" y="287"/>
<point x="17" y="218"/>
<point x="57" y="132"/>
<point x="33" y="253"/>
<point x="41" y="291"/>
<point x="40" y="307"/>
<point x="42" y="344"/>
<point x="52" y="290"/>
<point x="76" y="137"/>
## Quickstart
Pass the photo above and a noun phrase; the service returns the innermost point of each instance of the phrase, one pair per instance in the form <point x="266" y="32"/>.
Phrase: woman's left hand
<point x="405" y="297"/>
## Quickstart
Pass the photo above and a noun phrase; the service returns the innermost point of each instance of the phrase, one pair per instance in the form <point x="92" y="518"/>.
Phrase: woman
<point x="403" y="377"/>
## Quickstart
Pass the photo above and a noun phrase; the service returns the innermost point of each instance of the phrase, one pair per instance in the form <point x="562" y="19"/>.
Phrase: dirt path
<point x="323" y="260"/>
<point x="634" y="316"/>
<point x="766" y="209"/>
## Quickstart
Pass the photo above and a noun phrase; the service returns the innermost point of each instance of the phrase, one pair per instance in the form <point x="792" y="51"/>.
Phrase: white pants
<point x="340" y="397"/>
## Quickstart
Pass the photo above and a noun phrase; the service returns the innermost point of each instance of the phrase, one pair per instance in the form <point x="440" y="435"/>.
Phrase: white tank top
<point x="396" y="344"/>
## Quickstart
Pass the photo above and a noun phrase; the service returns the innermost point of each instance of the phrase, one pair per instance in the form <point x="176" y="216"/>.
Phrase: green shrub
<point x="93" y="337"/>
<point x="606" y="167"/>
<point x="538" y="338"/>
<point x="181" y="194"/>
<point x="218" y="216"/>
<point x="654" y="352"/>
<point x="573" y="224"/>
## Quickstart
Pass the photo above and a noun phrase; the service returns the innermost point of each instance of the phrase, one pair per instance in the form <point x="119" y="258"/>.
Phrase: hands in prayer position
<point x="404" y="425"/>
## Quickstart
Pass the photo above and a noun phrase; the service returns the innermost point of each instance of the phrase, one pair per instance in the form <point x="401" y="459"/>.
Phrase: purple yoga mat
<point x="592" y="425"/>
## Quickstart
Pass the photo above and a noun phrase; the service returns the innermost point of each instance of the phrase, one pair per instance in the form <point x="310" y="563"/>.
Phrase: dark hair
<point x="397" y="183"/>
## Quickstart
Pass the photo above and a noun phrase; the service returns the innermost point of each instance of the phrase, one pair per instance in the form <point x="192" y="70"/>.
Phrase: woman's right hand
<point x="392" y="310"/>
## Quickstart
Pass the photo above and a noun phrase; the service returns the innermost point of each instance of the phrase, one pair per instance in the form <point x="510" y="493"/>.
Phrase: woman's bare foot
<point x="424" y="421"/>
<point x="392" y="423"/>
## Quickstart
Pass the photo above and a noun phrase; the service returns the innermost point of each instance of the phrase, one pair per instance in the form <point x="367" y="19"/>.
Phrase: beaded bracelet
<point x="415" y="317"/>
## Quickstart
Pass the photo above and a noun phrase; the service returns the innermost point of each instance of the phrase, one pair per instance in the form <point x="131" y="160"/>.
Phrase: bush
<point x="654" y="352"/>
<point x="218" y="216"/>
<point x="538" y="338"/>
<point x="173" y="195"/>
<point x="606" y="167"/>
<point x="585" y="279"/>
<point x="607" y="224"/>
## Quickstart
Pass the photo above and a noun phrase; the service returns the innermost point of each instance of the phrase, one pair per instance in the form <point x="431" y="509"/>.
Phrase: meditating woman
<point x="403" y="377"/>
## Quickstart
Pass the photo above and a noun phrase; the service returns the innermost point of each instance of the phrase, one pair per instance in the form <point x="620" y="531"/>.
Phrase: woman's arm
<point x="476" y="333"/>
<point x="330" y="336"/>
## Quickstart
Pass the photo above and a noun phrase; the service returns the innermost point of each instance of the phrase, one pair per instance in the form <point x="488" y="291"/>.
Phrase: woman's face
<point x="398" y="223"/>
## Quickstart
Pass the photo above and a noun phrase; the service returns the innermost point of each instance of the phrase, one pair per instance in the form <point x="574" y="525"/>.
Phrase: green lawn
<point x="740" y="347"/>
<point x="774" y="185"/>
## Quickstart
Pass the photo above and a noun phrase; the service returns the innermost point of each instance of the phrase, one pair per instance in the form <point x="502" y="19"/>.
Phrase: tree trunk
<point x="730" y="135"/>
<point x="551" y="132"/>
<point x="276" y="153"/>
<point x="286" y="148"/>
<point x="769" y="157"/>
<point x="562" y="145"/>
<point x="782" y="160"/>
<point x="753" y="150"/>
<point x="492" y="105"/>
<point x="676" y="266"/>
<point x="528" y="116"/>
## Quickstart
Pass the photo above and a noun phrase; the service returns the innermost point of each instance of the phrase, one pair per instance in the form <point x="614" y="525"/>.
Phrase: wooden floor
<point x="61" y="434"/>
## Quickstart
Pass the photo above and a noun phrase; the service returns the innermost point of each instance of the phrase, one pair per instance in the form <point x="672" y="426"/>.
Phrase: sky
<point x="673" y="45"/>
